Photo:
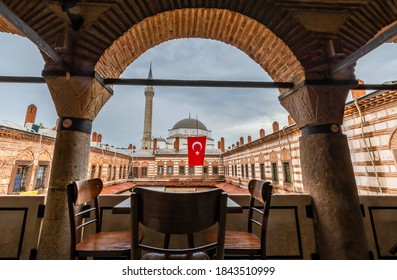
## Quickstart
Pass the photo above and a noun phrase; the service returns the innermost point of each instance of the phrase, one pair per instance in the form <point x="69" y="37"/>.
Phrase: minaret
<point x="147" y="125"/>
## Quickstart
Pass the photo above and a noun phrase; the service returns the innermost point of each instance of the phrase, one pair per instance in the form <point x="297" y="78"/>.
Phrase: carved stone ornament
<point x="315" y="105"/>
<point x="79" y="97"/>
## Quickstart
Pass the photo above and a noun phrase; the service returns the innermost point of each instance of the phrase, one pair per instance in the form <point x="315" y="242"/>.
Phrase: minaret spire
<point x="147" y="125"/>
<point x="150" y="75"/>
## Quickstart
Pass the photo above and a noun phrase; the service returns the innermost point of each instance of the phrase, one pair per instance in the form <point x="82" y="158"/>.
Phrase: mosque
<point x="370" y="124"/>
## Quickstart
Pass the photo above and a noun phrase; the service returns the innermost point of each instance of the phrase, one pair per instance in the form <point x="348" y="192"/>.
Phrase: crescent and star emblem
<point x="197" y="143"/>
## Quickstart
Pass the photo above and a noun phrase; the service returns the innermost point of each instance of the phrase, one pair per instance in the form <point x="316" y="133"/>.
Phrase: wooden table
<point x="124" y="207"/>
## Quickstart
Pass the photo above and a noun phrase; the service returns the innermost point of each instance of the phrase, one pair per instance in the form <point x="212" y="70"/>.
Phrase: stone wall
<point x="372" y="141"/>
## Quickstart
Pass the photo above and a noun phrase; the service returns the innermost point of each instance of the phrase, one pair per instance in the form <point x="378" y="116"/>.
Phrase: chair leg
<point x="167" y="241"/>
<point x="393" y="250"/>
<point x="190" y="240"/>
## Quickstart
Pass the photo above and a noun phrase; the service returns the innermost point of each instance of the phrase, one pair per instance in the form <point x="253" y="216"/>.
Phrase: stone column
<point x="78" y="100"/>
<point x="327" y="171"/>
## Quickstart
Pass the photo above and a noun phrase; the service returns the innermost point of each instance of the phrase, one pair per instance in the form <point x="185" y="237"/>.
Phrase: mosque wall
<point x="370" y="126"/>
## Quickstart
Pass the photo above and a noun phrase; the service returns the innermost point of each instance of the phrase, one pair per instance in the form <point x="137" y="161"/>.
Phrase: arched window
<point x="287" y="168"/>
<point x="181" y="170"/>
<point x="274" y="166"/>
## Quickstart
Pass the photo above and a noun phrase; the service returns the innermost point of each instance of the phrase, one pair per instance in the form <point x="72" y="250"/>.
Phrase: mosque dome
<point x="190" y="124"/>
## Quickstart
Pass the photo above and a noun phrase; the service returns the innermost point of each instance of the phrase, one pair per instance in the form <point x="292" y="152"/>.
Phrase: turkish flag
<point x="196" y="150"/>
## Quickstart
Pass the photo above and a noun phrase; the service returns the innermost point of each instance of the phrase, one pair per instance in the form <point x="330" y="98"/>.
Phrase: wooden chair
<point x="99" y="244"/>
<point x="172" y="213"/>
<point x="248" y="243"/>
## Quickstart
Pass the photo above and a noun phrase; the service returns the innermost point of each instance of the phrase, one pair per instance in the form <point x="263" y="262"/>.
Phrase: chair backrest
<point x="261" y="191"/>
<point x="80" y="194"/>
<point x="178" y="213"/>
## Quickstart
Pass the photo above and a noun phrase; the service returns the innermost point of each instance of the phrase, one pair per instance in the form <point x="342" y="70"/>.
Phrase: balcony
<point x="291" y="233"/>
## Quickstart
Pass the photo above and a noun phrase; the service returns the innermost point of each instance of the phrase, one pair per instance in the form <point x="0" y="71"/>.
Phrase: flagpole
<point x="196" y="125"/>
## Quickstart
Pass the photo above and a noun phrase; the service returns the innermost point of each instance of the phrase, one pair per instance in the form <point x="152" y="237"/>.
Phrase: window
<point x="274" y="172"/>
<point x="124" y="172"/>
<point x="242" y="170"/>
<point x="215" y="170"/>
<point x="99" y="171"/>
<point x="205" y="169"/>
<point x="253" y="171"/>
<point x="232" y="170"/>
<point x="170" y="170"/>
<point x="287" y="172"/>
<point x="114" y="173"/>
<point x="109" y="172"/>
<point x="181" y="170"/>
<point x="191" y="170"/>
<point x="235" y="170"/>
<point x="19" y="182"/>
<point x="130" y="172"/>
<point x="93" y="167"/>
<point x="136" y="172"/>
<point x="144" y="171"/>
<point x="160" y="170"/>
<point x="246" y="170"/>
<point x="120" y="172"/>
<point x="262" y="171"/>
<point x="41" y="172"/>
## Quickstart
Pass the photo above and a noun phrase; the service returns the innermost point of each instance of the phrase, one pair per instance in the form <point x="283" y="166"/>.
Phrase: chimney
<point x="249" y="139"/>
<point x="176" y="144"/>
<point x="233" y="146"/>
<point x="30" y="114"/>
<point x="219" y="145"/>
<point x="130" y="147"/>
<point x="261" y="133"/>
<point x="99" y="138"/>
<point x="223" y="145"/>
<point x="275" y="127"/>
<point x="291" y="121"/>
<point x="356" y="93"/>
<point x="94" y="137"/>
<point x="241" y="141"/>
<point x="237" y="144"/>
<point x="155" y="144"/>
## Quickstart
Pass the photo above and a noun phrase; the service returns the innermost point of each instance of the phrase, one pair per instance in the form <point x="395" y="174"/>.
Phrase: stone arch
<point x="136" y="164"/>
<point x="182" y="163"/>
<point x="261" y="158"/>
<point x="25" y="154"/>
<point x="45" y="156"/>
<point x="214" y="163"/>
<point x="252" y="159"/>
<point x="240" y="31"/>
<point x="273" y="157"/>
<point x="145" y="164"/>
<point x="285" y="155"/>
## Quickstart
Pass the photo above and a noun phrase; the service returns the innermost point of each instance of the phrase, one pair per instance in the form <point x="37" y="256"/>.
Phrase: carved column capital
<point x="312" y="105"/>
<point x="76" y="96"/>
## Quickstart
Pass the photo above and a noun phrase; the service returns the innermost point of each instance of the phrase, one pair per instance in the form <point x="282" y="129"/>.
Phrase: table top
<point x="124" y="207"/>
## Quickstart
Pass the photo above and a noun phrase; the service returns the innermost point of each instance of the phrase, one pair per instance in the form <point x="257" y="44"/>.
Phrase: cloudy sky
<point x="227" y="112"/>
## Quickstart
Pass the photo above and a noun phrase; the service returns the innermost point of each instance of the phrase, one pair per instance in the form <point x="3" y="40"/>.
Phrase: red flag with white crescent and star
<point x="196" y="150"/>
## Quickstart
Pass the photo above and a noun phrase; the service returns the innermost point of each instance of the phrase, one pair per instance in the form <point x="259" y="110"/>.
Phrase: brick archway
<point x="246" y="34"/>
